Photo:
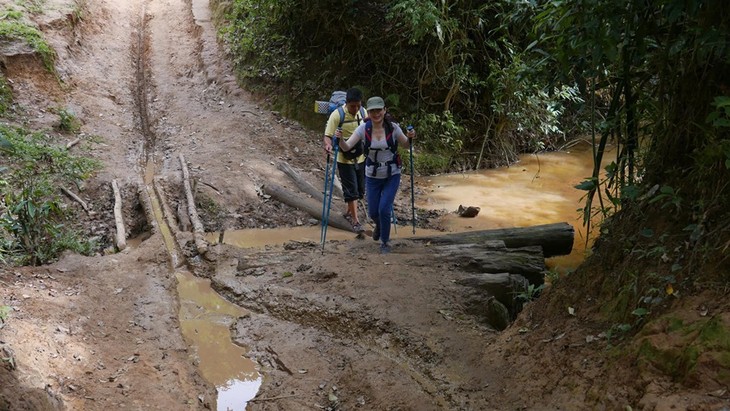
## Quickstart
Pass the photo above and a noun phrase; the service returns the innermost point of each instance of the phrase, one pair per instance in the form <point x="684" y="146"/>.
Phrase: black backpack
<point x="359" y="148"/>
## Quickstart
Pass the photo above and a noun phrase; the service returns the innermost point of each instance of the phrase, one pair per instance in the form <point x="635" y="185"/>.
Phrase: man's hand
<point x="327" y="144"/>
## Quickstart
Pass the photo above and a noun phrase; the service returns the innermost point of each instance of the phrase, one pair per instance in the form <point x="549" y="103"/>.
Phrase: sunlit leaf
<point x="669" y="290"/>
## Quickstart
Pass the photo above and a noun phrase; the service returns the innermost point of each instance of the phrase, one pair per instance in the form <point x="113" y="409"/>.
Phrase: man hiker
<point x="351" y="171"/>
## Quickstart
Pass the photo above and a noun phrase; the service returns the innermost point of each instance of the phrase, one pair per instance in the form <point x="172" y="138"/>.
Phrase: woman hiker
<point x="382" y="165"/>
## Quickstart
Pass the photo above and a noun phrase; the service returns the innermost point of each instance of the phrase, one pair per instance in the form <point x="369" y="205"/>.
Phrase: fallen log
<point x="303" y="184"/>
<point x="555" y="239"/>
<point x="72" y="143"/>
<point x="308" y="205"/>
<point x="198" y="231"/>
<point x="75" y="198"/>
<point x="121" y="237"/>
<point x="166" y="211"/>
<point x="526" y="261"/>
<point x="506" y="288"/>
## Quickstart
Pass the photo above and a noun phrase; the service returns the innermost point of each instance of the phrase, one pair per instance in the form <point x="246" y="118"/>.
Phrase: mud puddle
<point x="205" y="319"/>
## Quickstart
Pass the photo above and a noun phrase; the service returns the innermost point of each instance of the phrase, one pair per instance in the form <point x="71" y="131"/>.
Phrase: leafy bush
<point x="425" y="57"/>
<point x="33" y="220"/>
<point x="68" y="121"/>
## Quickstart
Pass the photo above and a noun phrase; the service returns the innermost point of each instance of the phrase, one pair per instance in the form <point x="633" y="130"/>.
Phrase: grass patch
<point x="33" y="6"/>
<point x="12" y="27"/>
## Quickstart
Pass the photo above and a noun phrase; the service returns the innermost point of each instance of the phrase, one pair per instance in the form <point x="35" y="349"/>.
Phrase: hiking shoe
<point x="348" y="217"/>
<point x="376" y="233"/>
<point x="384" y="248"/>
<point x="357" y="227"/>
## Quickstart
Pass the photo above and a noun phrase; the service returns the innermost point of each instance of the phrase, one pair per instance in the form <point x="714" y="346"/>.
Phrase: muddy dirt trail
<point x="343" y="329"/>
<point x="94" y="333"/>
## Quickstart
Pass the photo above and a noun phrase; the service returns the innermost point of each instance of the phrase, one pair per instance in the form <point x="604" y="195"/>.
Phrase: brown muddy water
<point x="537" y="190"/>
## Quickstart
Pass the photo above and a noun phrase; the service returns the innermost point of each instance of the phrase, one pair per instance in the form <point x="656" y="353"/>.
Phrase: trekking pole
<point x="324" y="202"/>
<point x="413" y="203"/>
<point x="395" y="220"/>
<point x="328" y="199"/>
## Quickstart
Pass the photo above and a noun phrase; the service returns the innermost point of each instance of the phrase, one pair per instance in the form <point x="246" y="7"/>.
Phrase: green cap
<point x="375" y="103"/>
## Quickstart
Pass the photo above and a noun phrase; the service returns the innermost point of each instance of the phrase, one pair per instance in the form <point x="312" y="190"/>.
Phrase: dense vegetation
<point x="462" y="71"/>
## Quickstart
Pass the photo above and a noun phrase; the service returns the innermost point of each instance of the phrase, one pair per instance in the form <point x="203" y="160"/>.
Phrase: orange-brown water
<point x="540" y="189"/>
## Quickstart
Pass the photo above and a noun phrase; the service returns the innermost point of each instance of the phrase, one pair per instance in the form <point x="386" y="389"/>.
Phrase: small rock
<point x="468" y="212"/>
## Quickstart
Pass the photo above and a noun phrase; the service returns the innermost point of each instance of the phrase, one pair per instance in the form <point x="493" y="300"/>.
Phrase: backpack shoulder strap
<point x="389" y="130"/>
<point x="368" y="133"/>
<point x="341" y="112"/>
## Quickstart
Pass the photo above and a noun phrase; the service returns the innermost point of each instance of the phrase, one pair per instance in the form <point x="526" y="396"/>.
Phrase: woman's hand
<point x="411" y="132"/>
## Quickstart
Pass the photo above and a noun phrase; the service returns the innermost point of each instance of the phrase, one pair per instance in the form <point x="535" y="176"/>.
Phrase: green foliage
<point x="441" y="133"/>
<point x="12" y="27"/>
<point x="429" y="163"/>
<point x="427" y="57"/>
<point x="6" y="95"/>
<point x="33" y="216"/>
<point x="531" y="293"/>
<point x="720" y="117"/>
<point x="4" y="311"/>
<point x="258" y="41"/>
<point x="525" y="108"/>
<point x="33" y="6"/>
<point x="68" y="121"/>
<point x="654" y="76"/>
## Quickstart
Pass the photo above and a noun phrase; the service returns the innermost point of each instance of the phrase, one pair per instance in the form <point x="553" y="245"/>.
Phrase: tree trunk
<point x="308" y="205"/>
<point x="526" y="261"/>
<point x="555" y="239"/>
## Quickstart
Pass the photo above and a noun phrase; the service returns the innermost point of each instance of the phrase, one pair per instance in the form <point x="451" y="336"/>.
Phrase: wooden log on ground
<point x="303" y="184"/>
<point x="526" y="261"/>
<point x="76" y="198"/>
<point x="504" y="287"/>
<point x="166" y="211"/>
<point x="121" y="237"/>
<point x="144" y="196"/>
<point x="72" y="143"/>
<point x="308" y="205"/>
<point x="555" y="239"/>
<point x="198" y="231"/>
